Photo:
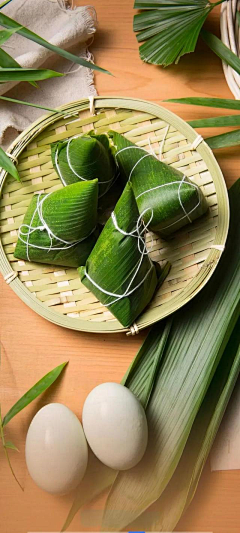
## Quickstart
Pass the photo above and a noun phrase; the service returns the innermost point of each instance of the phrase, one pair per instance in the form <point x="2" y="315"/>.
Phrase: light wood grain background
<point x="31" y="346"/>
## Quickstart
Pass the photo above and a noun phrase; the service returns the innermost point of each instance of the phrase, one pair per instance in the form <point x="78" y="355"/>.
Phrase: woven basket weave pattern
<point x="59" y="289"/>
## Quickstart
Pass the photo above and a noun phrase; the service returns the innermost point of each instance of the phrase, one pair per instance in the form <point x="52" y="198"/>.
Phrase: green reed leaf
<point x="7" y="22"/>
<point x="27" y="74"/>
<point x="224" y="140"/>
<point x="221" y="50"/>
<point x="6" y="34"/>
<point x="165" y="513"/>
<point x="29" y="104"/>
<point x="7" y="164"/>
<point x="224" y="103"/>
<point x="216" y="122"/>
<point x="33" y="393"/>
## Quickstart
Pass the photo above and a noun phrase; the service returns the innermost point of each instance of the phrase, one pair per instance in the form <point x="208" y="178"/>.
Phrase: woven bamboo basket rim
<point x="230" y="35"/>
<point x="134" y="111"/>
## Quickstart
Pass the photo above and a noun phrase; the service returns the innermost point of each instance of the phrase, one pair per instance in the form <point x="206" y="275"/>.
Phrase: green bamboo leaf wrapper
<point x="113" y="263"/>
<point x="85" y="157"/>
<point x="166" y="195"/>
<point x="71" y="215"/>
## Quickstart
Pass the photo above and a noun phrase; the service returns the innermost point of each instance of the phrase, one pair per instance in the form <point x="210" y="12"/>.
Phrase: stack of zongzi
<point x="119" y="270"/>
<point x="59" y="227"/>
<point x="85" y="157"/>
<point x="158" y="188"/>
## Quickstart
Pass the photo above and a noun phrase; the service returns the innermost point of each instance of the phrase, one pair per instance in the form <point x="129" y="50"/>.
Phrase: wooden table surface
<point x="31" y="346"/>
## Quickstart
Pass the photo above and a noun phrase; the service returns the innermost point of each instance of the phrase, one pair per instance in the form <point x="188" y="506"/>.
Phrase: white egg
<point x="56" y="449"/>
<point x="115" y="426"/>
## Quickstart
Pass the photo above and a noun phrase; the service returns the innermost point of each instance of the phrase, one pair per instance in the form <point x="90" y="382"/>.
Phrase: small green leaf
<point x="11" y="446"/>
<point x="6" y="34"/>
<point x="216" y="122"/>
<point x="7" y="22"/>
<point x="33" y="393"/>
<point x="27" y="74"/>
<point x="225" y="140"/>
<point x="224" y="103"/>
<point x="221" y="50"/>
<point x="8" y="165"/>
<point x="29" y="104"/>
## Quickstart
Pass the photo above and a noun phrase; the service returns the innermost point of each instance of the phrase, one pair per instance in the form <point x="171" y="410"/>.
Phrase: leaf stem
<point x="6" y="453"/>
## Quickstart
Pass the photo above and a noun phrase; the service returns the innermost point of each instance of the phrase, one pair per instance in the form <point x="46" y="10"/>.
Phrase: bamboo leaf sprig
<point x="41" y="386"/>
<point x="222" y="140"/>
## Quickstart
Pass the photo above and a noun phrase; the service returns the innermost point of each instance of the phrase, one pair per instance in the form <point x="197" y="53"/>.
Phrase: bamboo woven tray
<point x="56" y="293"/>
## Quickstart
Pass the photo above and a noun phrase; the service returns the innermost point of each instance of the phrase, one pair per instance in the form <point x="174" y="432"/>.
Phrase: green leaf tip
<point x="41" y="386"/>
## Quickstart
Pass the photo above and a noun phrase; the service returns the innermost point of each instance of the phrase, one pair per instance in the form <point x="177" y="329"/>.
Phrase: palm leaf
<point x="221" y="50"/>
<point x="33" y="393"/>
<point x="170" y="30"/>
<point x="8" y="165"/>
<point x="199" y="336"/>
<point x="7" y="22"/>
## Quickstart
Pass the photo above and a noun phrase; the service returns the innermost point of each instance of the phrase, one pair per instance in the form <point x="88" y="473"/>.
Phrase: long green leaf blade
<point x="224" y="140"/>
<point x="6" y="34"/>
<point x="34" y="392"/>
<point x="221" y="50"/>
<point x="27" y="74"/>
<point x="216" y="122"/>
<point x="8" y="165"/>
<point x="224" y="103"/>
<point x="29" y="104"/>
<point x="168" y="509"/>
<point x="199" y="336"/>
<point x="7" y="22"/>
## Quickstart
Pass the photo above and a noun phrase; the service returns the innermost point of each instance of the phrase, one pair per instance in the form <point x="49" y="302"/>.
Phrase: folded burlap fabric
<point x="63" y="25"/>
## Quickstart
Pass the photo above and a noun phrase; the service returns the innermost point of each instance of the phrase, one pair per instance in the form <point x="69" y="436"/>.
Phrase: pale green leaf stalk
<point x="5" y="446"/>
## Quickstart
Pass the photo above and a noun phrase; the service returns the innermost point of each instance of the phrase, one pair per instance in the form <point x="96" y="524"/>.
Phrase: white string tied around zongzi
<point x="110" y="181"/>
<point x="44" y="227"/>
<point x="137" y="233"/>
<point x="179" y="183"/>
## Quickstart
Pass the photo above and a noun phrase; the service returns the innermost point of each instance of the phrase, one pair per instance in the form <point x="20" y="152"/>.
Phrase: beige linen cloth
<point x="64" y="26"/>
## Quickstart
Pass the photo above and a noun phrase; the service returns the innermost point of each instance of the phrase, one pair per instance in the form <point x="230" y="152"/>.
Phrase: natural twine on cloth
<point x="64" y="26"/>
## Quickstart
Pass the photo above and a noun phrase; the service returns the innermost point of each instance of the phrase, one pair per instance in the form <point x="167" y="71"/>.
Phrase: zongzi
<point x="83" y="158"/>
<point x="59" y="227"/>
<point x="171" y="198"/>
<point x="119" y="270"/>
